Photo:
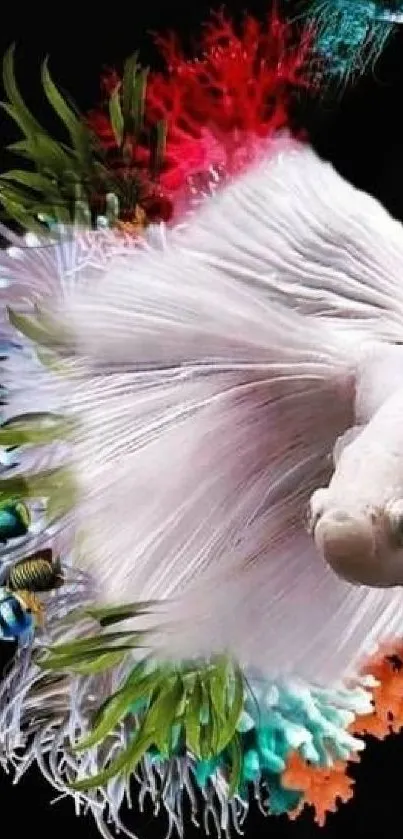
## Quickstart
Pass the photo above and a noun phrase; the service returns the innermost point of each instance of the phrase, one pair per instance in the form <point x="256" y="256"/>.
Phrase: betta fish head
<point x="362" y="543"/>
<point x="357" y="521"/>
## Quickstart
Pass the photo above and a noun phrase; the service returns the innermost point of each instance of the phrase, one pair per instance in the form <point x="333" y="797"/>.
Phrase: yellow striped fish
<point x="37" y="572"/>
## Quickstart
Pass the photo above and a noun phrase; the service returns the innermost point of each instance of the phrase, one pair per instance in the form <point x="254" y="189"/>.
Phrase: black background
<point x="361" y="131"/>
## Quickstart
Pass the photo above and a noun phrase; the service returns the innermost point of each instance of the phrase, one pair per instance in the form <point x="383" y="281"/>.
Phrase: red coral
<point x="221" y="106"/>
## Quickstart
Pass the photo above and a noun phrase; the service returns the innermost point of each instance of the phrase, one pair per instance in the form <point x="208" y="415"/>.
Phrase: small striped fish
<point x="37" y="572"/>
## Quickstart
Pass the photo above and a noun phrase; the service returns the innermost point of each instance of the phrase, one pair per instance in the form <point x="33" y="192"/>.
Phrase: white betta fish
<point x="237" y="390"/>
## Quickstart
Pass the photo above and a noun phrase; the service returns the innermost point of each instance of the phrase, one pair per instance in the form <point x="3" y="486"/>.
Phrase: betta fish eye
<point x="315" y="509"/>
<point x="394" y="514"/>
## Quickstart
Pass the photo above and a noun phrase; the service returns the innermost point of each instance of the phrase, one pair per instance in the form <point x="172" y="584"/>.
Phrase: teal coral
<point x="278" y="721"/>
<point x="350" y="36"/>
<point x="230" y="726"/>
<point x="296" y="718"/>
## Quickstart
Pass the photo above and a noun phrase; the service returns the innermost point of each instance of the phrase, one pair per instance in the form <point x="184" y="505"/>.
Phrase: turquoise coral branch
<point x="351" y="36"/>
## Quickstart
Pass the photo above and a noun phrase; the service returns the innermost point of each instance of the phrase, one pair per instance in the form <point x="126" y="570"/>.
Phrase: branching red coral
<point x="221" y="105"/>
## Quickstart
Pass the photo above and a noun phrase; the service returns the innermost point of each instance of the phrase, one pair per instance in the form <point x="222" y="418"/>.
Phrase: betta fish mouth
<point x="348" y="545"/>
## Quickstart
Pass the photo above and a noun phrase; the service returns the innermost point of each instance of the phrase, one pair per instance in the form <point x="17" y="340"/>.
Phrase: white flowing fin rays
<point x="39" y="272"/>
<point x="28" y="386"/>
<point x="40" y="715"/>
<point x="29" y="389"/>
<point x="210" y="513"/>
<point x="208" y="416"/>
<point x="294" y="226"/>
<point x="34" y="271"/>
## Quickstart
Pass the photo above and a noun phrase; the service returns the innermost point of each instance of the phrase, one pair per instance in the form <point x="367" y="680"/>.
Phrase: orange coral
<point x="387" y="696"/>
<point x="322" y="788"/>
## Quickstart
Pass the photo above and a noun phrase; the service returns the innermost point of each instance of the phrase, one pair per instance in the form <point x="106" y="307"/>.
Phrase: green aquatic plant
<point x="76" y="180"/>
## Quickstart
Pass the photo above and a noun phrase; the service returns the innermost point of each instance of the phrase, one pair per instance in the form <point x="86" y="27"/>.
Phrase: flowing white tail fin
<point x="208" y="414"/>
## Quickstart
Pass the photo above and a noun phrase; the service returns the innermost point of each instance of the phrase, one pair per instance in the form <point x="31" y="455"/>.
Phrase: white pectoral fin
<point x="345" y="440"/>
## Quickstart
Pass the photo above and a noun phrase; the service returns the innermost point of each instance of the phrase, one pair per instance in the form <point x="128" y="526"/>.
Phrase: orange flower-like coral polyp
<point x="387" y="695"/>
<point x="324" y="788"/>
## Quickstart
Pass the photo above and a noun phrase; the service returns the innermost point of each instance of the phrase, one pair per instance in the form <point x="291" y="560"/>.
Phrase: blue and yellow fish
<point x="19" y="612"/>
<point x="15" y="519"/>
